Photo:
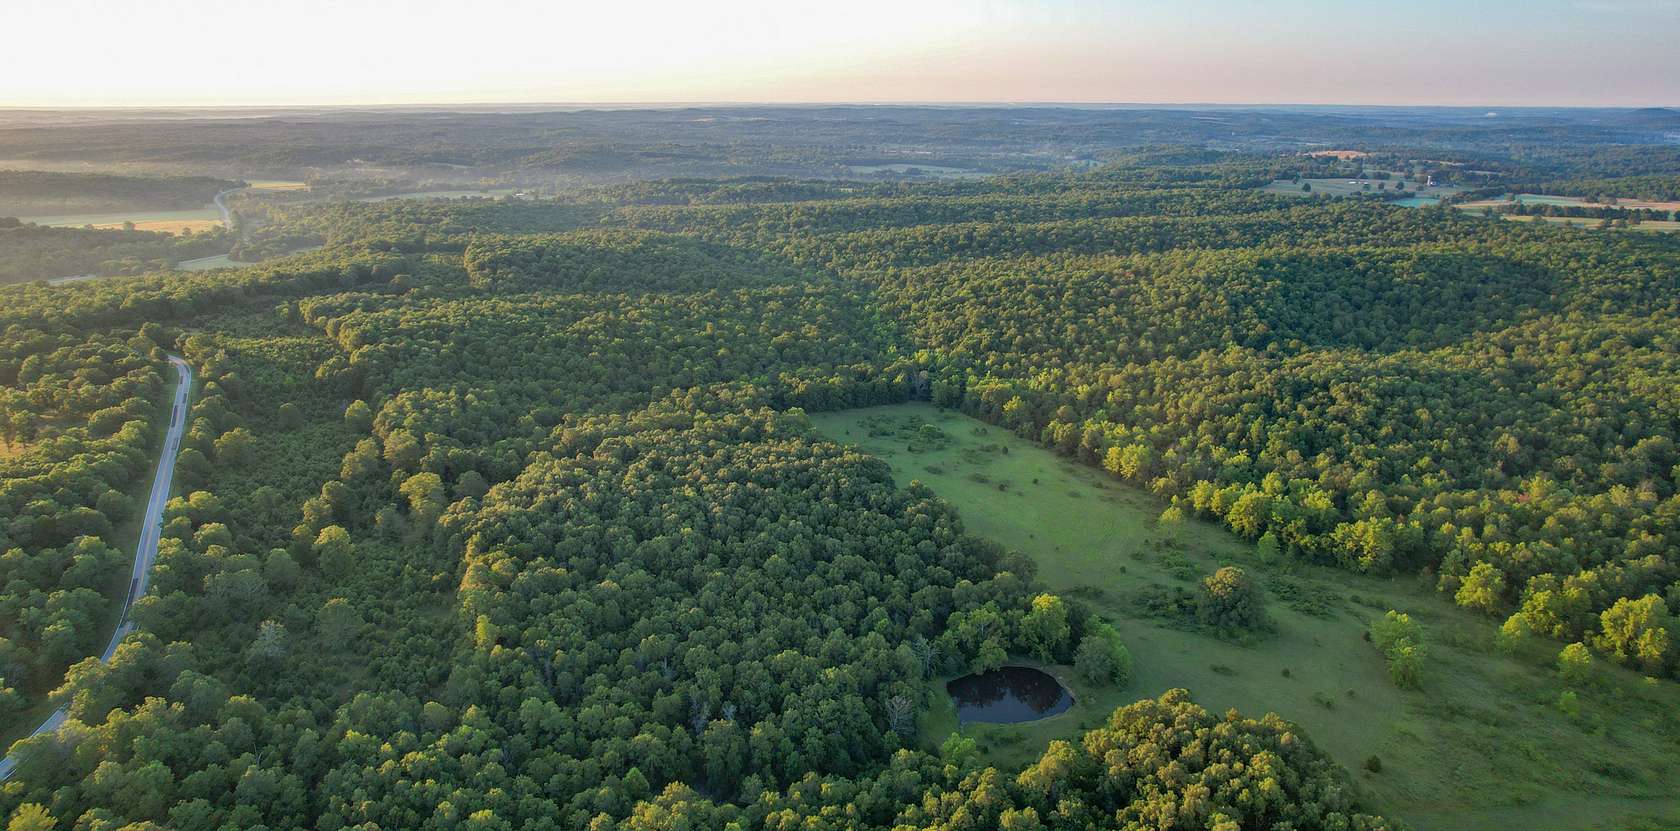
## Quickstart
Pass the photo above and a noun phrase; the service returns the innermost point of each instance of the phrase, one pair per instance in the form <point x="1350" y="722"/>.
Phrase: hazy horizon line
<point x="955" y="104"/>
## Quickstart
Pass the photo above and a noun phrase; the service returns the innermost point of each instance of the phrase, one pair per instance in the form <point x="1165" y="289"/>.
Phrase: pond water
<point x="1008" y="695"/>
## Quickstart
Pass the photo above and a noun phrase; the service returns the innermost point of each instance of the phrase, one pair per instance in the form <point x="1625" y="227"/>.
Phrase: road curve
<point x="150" y="528"/>
<point x="227" y="215"/>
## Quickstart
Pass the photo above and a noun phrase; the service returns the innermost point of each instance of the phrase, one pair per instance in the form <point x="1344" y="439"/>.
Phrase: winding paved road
<point x="146" y="552"/>
<point x="227" y="215"/>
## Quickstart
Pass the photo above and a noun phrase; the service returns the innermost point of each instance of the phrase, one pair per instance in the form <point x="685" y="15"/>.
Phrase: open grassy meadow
<point x="1664" y="225"/>
<point x="1489" y="741"/>
<point x="1352" y="187"/>
<point x="1574" y="201"/>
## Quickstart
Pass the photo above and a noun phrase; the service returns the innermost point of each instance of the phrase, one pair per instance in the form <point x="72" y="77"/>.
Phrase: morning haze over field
<point x="739" y="416"/>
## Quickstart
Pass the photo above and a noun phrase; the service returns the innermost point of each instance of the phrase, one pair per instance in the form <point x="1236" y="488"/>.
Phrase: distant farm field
<point x="1576" y="201"/>
<point x="171" y="226"/>
<point x="1665" y="225"/>
<point x="278" y="184"/>
<point x="1352" y="187"/>
<point x="935" y="170"/>
<point x="1481" y="745"/>
<point x="1339" y="154"/>
<point x="444" y="194"/>
<point x="1570" y="202"/>
<point x="172" y="219"/>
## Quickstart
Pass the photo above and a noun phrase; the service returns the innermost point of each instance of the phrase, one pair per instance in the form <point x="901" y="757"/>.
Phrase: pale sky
<point x="258" y="52"/>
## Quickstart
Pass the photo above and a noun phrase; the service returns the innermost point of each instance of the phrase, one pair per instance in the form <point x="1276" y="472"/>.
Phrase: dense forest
<point x="358" y="151"/>
<point x="34" y="252"/>
<point x="508" y="514"/>
<point x="43" y="193"/>
<point x="1656" y="188"/>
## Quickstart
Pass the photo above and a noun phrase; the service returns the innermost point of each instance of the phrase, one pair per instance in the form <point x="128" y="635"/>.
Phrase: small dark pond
<point x="1007" y="695"/>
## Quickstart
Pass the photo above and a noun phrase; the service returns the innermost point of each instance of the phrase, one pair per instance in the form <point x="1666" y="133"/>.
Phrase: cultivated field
<point x="170" y="226"/>
<point x="278" y="185"/>
<point x="171" y="221"/>
<point x="1483" y="743"/>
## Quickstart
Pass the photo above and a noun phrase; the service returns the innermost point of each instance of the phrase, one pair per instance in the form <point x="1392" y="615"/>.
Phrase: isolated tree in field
<point x="1511" y="634"/>
<point x="1170" y="523"/>
<point x="1575" y="663"/>
<point x="1400" y="640"/>
<point x="1229" y="600"/>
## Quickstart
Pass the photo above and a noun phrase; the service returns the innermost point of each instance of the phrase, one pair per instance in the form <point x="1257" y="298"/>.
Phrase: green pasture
<point x="1483" y="743"/>
<point x="1664" y="225"/>
<point x="1352" y="187"/>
